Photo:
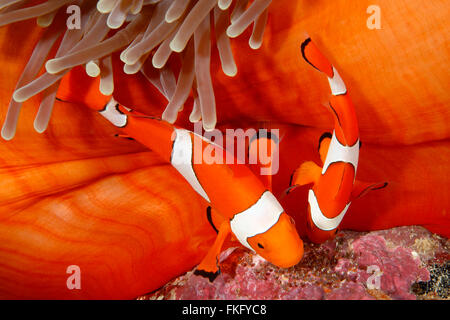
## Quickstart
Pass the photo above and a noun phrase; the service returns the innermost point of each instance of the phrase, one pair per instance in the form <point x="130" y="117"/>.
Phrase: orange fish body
<point x="400" y="97"/>
<point x="397" y="74"/>
<point x="398" y="82"/>
<point x="247" y="209"/>
<point x="335" y="183"/>
<point x="405" y="201"/>
<point x="115" y="216"/>
<point x="78" y="196"/>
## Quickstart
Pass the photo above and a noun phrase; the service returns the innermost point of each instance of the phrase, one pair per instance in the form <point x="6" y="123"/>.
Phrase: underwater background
<point x="74" y="193"/>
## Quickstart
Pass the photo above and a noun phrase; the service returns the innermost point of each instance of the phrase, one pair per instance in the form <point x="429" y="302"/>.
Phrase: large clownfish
<point x="334" y="184"/>
<point x="241" y="203"/>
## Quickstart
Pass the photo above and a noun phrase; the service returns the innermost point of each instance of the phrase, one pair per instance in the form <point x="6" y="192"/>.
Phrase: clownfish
<point x="241" y="202"/>
<point x="334" y="184"/>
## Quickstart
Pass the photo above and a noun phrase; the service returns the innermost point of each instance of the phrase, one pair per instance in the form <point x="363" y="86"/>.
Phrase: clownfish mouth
<point x="281" y="244"/>
<point x="148" y="33"/>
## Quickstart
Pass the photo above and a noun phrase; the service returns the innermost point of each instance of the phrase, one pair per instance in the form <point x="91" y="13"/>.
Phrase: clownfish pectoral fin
<point x="209" y="267"/>
<point x="324" y="144"/>
<point x="307" y="173"/>
<point x="262" y="149"/>
<point x="361" y="188"/>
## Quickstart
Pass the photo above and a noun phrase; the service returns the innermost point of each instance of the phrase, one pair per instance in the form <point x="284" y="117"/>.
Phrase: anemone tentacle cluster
<point x="148" y="32"/>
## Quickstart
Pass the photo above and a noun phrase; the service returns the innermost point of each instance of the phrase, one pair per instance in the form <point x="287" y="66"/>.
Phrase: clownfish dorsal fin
<point x="308" y="172"/>
<point x="268" y="142"/>
<point x="324" y="143"/>
<point x="361" y="188"/>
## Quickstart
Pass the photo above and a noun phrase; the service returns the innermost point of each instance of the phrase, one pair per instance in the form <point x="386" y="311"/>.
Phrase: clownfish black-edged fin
<point x="324" y="144"/>
<point x="134" y="114"/>
<point x="361" y="188"/>
<point x="270" y="142"/>
<point x="210" y="219"/>
<point x="205" y="274"/>
<point x="315" y="58"/>
<point x="124" y="136"/>
<point x="308" y="172"/>
<point x="209" y="266"/>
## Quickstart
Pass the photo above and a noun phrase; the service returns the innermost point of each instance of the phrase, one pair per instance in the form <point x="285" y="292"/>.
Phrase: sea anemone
<point x="145" y="29"/>
<point x="76" y="194"/>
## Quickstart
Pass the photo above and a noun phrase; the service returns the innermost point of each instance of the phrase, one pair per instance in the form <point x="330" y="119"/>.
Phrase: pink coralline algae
<point x="397" y="268"/>
<point x="400" y="263"/>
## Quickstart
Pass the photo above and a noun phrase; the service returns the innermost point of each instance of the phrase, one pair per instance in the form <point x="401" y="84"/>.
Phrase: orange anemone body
<point x="77" y="193"/>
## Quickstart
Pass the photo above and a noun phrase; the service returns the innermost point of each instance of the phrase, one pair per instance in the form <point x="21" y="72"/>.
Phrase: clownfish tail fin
<point x="315" y="58"/>
<point x="340" y="105"/>
<point x="150" y="131"/>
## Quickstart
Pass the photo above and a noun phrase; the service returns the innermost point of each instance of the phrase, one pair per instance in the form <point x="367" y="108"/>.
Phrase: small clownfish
<point x="243" y="205"/>
<point x="334" y="185"/>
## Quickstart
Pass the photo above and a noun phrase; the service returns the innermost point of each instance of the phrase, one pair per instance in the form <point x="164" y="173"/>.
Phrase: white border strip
<point x="337" y="85"/>
<point x="113" y="114"/>
<point x="182" y="160"/>
<point x="319" y="218"/>
<point x="257" y="219"/>
<point x="339" y="153"/>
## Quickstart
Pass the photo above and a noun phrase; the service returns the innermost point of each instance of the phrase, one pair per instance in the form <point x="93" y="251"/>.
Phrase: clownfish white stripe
<point x="340" y="153"/>
<point x="257" y="219"/>
<point x="319" y="219"/>
<point x="112" y="113"/>
<point x="337" y="85"/>
<point x="181" y="160"/>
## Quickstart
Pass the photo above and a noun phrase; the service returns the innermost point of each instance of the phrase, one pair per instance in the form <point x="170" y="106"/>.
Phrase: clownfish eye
<point x="260" y="245"/>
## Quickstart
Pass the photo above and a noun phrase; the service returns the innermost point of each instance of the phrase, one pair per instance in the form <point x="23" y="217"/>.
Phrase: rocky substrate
<point x="400" y="263"/>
